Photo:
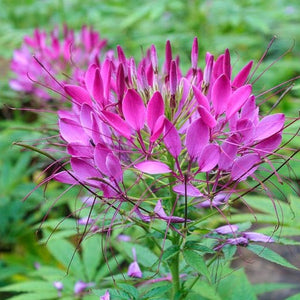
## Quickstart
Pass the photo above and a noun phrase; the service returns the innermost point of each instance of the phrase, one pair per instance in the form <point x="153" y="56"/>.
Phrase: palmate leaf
<point x="270" y="255"/>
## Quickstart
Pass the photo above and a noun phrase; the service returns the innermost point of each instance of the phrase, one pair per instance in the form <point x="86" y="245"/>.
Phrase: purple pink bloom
<point x="202" y="129"/>
<point x="63" y="54"/>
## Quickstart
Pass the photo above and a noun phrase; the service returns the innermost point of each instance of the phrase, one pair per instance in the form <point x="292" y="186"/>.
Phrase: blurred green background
<point x="244" y="26"/>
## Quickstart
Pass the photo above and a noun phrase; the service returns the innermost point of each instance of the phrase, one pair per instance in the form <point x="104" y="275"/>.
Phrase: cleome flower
<point x="64" y="55"/>
<point x="192" y="137"/>
<point x="231" y="235"/>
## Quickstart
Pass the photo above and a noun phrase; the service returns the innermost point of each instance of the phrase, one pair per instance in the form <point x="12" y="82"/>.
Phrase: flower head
<point x="203" y="129"/>
<point x="57" y="52"/>
<point x="134" y="268"/>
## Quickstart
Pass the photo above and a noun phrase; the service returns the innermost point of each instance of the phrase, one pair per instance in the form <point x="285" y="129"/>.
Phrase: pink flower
<point x="129" y="118"/>
<point x="55" y="52"/>
<point x="134" y="269"/>
<point x="106" y="296"/>
<point x="81" y="286"/>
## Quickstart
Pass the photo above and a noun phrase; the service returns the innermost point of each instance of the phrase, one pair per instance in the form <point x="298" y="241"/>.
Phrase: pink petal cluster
<point x="129" y="118"/>
<point x="65" y="55"/>
<point x="235" y="237"/>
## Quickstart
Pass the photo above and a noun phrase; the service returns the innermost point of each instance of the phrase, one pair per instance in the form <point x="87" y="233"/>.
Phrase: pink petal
<point x="197" y="137"/>
<point x="218" y="67"/>
<point x="65" y="177"/>
<point x="172" y="138"/>
<point x="155" y="109"/>
<point x="173" y="78"/>
<point x="226" y="64"/>
<point x="89" y="78"/>
<point x="249" y="109"/>
<point x="201" y="99"/>
<point x="206" y="117"/>
<point x="83" y="170"/>
<point x="227" y="229"/>
<point x="160" y="212"/>
<point x="209" y="158"/>
<point x="134" y="270"/>
<point x="98" y="88"/>
<point x="86" y="119"/>
<point x="153" y="167"/>
<point x="244" y="166"/>
<point x="117" y="123"/>
<point x="241" y="77"/>
<point x="268" y="145"/>
<point x="245" y="128"/>
<point x="237" y="100"/>
<point x="158" y="128"/>
<point x="114" y="167"/>
<point x="221" y="91"/>
<point x="228" y="152"/>
<point x="72" y="132"/>
<point x="79" y="150"/>
<point x="78" y="93"/>
<point x="269" y="125"/>
<point x="194" y="54"/>
<point x="106" y="296"/>
<point x="258" y="237"/>
<point x="190" y="190"/>
<point x="100" y="154"/>
<point x="106" y="76"/>
<point x="134" y="110"/>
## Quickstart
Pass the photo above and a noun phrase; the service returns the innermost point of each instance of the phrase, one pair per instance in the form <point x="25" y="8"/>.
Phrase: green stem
<point x="174" y="268"/>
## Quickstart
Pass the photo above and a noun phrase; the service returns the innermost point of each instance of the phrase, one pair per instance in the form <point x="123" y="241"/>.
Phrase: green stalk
<point x="174" y="268"/>
<point x="174" y="262"/>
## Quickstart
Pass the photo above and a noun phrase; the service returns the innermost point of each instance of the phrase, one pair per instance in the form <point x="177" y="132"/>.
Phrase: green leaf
<point x="91" y="255"/>
<point x="198" y="247"/>
<point x="294" y="297"/>
<point x="144" y="255"/>
<point x="36" y="296"/>
<point x="29" y="286"/>
<point x="108" y="267"/>
<point x="130" y="290"/>
<point x="170" y="252"/>
<point x="67" y="255"/>
<point x="262" y="288"/>
<point x="157" y="292"/>
<point x="204" y="289"/>
<point x="236" y="287"/>
<point x="270" y="255"/>
<point x="196" y="261"/>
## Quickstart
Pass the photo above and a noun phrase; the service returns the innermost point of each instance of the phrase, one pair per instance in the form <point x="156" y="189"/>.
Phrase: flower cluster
<point x="62" y="55"/>
<point x="231" y="235"/>
<point x="173" y="137"/>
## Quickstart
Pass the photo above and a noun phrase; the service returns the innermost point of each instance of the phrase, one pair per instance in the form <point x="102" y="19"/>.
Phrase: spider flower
<point x="196" y="135"/>
<point x="64" y="55"/>
<point x="230" y="235"/>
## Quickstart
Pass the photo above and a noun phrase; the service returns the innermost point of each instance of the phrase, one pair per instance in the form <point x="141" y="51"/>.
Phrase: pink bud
<point x="194" y="54"/>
